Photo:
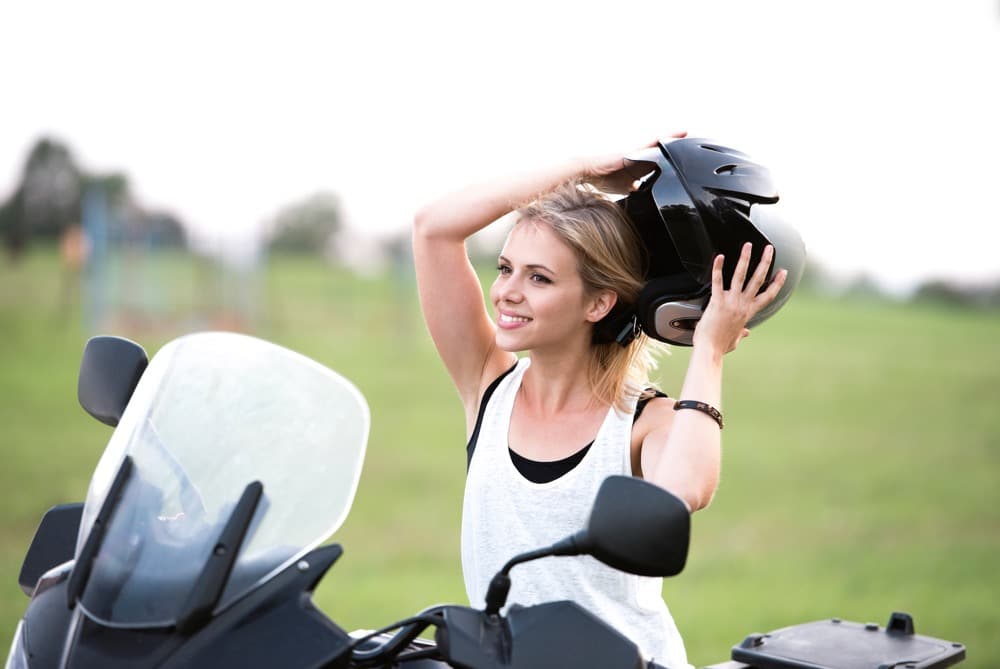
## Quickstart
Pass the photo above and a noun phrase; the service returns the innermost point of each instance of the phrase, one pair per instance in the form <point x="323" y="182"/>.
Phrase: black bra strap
<point x="470" y="448"/>
<point x="641" y="404"/>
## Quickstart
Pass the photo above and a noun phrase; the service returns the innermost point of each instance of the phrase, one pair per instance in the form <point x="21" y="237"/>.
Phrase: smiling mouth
<point x="512" y="320"/>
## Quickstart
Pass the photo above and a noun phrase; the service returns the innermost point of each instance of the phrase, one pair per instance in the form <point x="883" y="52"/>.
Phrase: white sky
<point x="879" y="118"/>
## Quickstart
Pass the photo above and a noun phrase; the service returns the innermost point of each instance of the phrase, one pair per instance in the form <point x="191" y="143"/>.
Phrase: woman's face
<point x="538" y="296"/>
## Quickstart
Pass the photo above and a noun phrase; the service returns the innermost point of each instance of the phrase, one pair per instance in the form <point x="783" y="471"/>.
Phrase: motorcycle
<point x="232" y="459"/>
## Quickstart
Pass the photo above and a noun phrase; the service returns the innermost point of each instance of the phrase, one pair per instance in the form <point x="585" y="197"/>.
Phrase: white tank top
<point x="505" y="514"/>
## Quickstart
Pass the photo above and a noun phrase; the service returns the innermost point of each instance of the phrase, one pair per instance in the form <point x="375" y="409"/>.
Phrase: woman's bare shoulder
<point x="496" y="365"/>
<point x="655" y="419"/>
<point x="658" y="414"/>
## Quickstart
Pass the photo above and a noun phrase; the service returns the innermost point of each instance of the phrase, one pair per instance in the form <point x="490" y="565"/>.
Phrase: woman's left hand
<point x="724" y="322"/>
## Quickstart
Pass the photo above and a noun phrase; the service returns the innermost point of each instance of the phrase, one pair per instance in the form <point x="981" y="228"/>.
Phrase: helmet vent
<point x="725" y="169"/>
<point x="724" y="150"/>
<point x="741" y="206"/>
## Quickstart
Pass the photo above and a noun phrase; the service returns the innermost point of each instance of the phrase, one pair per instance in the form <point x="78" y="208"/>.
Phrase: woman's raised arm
<point x="685" y="456"/>
<point x="450" y="293"/>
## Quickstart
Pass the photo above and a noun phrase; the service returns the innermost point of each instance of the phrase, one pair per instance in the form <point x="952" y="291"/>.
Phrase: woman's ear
<point x="600" y="304"/>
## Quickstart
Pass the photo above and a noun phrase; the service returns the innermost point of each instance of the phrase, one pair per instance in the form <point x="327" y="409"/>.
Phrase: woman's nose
<point x="509" y="290"/>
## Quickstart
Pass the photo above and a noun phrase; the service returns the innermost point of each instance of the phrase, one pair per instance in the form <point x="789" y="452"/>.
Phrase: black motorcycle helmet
<point x="694" y="200"/>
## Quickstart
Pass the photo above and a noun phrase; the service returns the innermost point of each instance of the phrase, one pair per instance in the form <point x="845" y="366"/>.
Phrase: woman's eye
<point x="539" y="278"/>
<point x="504" y="269"/>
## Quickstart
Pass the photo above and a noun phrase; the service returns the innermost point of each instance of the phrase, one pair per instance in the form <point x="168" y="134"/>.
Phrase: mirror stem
<point x="496" y="595"/>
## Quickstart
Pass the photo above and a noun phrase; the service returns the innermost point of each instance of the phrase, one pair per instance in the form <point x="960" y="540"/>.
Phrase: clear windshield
<point x="213" y="413"/>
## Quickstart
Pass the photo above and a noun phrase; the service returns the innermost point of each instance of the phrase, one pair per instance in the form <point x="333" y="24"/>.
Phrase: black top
<point x="538" y="471"/>
<point x="470" y="447"/>
<point x="543" y="471"/>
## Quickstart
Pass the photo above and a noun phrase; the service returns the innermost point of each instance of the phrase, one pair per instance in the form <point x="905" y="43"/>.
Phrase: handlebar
<point x="408" y="630"/>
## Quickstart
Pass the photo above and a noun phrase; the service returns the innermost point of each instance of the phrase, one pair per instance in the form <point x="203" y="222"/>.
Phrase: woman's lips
<point x="511" y="321"/>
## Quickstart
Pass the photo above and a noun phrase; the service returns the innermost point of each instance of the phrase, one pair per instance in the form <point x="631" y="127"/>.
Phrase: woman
<point x="546" y="430"/>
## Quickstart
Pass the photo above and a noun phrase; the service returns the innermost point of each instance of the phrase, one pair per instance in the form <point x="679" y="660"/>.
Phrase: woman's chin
<point x="507" y="341"/>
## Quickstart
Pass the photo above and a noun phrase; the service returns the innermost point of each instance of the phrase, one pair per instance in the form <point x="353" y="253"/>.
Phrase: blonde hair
<point x="609" y="257"/>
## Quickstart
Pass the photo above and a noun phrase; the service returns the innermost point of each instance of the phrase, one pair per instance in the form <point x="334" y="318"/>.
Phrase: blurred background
<point x="255" y="168"/>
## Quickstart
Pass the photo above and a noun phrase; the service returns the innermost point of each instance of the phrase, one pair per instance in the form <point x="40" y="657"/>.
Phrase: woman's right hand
<point x="607" y="171"/>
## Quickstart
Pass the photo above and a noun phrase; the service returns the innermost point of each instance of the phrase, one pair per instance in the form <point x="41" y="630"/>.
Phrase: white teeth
<point x="513" y="319"/>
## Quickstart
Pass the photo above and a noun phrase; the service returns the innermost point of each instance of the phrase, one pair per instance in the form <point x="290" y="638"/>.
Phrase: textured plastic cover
<point x="835" y="644"/>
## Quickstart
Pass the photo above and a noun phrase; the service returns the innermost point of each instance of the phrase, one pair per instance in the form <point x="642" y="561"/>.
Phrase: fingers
<point x="760" y="273"/>
<point x="773" y="288"/>
<point x="656" y="142"/>
<point x="729" y="311"/>
<point x="740" y="273"/>
<point x="603" y="165"/>
<point x="739" y="280"/>
<point x="717" y="287"/>
<point x="681" y="134"/>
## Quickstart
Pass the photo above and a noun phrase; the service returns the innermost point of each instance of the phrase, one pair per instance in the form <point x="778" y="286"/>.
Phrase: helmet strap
<point x="620" y="325"/>
<point x="629" y="331"/>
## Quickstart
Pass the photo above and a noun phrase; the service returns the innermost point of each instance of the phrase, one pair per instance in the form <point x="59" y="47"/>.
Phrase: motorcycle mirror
<point x="109" y="372"/>
<point x="634" y="526"/>
<point x="638" y="527"/>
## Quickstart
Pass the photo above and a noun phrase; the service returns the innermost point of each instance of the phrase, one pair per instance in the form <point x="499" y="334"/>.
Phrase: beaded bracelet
<point x="707" y="409"/>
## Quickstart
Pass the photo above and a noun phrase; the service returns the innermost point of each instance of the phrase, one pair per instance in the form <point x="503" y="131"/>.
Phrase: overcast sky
<point x="878" y="118"/>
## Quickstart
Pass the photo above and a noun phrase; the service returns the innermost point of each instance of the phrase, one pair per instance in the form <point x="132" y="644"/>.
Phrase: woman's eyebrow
<point x="528" y="266"/>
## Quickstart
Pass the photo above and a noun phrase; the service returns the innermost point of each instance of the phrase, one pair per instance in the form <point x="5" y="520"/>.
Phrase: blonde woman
<point x="546" y="429"/>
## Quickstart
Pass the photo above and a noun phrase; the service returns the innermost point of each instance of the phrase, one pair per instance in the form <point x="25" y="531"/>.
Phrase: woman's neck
<point x="557" y="383"/>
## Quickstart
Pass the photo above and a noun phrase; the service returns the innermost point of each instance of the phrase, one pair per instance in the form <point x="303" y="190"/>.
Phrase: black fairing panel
<point x="114" y="648"/>
<point x="292" y="634"/>
<point x="53" y="544"/>
<point x="275" y="625"/>
<point x="470" y="638"/>
<point x="563" y="634"/>
<point x="556" y="634"/>
<point x="46" y="623"/>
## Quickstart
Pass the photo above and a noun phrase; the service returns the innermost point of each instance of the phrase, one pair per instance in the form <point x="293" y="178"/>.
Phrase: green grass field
<point x="861" y="466"/>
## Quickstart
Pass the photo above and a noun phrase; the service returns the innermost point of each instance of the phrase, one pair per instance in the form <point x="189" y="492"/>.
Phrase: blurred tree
<point x="47" y="199"/>
<point x="47" y="202"/>
<point x="116" y="187"/>
<point x="398" y="248"/>
<point x="954" y="293"/>
<point x="51" y="188"/>
<point x="816" y="278"/>
<point x="15" y="237"/>
<point x="165" y="229"/>
<point x="308" y="226"/>
<point x="863" y="286"/>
